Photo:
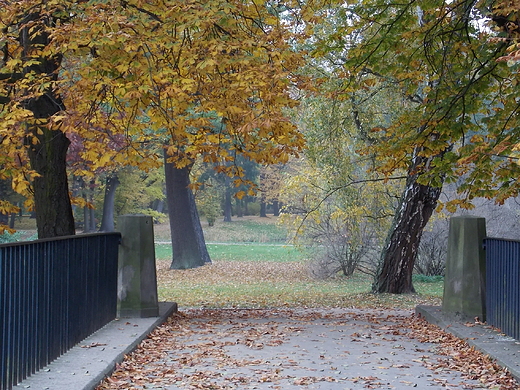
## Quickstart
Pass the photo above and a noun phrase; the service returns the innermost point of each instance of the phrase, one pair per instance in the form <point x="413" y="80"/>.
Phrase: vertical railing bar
<point x="17" y="328"/>
<point x="3" y="317"/>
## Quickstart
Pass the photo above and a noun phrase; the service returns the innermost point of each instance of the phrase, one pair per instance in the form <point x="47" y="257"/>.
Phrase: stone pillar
<point x="465" y="277"/>
<point x="137" y="279"/>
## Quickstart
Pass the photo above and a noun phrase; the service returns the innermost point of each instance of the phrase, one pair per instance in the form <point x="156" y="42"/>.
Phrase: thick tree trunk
<point x="398" y="257"/>
<point x="48" y="155"/>
<point x="51" y="191"/>
<point x="188" y="245"/>
<point x="107" y="220"/>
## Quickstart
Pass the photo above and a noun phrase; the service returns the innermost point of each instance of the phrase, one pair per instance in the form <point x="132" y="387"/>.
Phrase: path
<point x="298" y="349"/>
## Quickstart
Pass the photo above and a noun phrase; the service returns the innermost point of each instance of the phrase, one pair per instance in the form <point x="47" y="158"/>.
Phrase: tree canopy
<point x="205" y="79"/>
<point x="462" y="113"/>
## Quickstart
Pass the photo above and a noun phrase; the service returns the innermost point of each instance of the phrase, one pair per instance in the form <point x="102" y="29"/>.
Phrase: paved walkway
<point x="277" y="349"/>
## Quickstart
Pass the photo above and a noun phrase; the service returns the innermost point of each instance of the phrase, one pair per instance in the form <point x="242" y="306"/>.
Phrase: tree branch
<point x="11" y="76"/>
<point x="336" y="189"/>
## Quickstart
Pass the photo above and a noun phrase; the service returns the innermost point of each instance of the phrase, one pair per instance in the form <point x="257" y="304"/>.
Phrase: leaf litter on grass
<point x="197" y="349"/>
<point x="272" y="284"/>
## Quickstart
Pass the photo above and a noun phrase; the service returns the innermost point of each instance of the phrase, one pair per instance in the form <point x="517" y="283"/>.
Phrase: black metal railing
<point x="503" y="285"/>
<point x="53" y="294"/>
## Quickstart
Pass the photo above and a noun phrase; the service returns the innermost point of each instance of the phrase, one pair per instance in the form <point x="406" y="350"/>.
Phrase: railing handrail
<point x="501" y="239"/>
<point x="59" y="238"/>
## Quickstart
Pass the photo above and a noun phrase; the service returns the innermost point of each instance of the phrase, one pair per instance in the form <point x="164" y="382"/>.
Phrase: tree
<point x="459" y="115"/>
<point x="189" y="249"/>
<point x="336" y="206"/>
<point x="7" y="214"/>
<point x="107" y="222"/>
<point x="147" y="72"/>
<point x="209" y="80"/>
<point x="208" y="198"/>
<point x="271" y="181"/>
<point x="30" y="111"/>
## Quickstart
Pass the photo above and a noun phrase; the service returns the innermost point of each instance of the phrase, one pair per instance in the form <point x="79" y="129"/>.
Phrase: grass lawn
<point x="241" y="252"/>
<point x="258" y="271"/>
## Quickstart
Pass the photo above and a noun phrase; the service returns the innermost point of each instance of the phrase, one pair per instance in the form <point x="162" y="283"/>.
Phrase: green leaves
<point x="439" y="61"/>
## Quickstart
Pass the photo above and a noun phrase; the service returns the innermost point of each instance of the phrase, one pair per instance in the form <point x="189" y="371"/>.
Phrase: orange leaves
<point x="210" y="79"/>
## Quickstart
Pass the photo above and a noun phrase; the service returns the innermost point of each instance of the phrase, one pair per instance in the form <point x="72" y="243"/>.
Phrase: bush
<point x="336" y="242"/>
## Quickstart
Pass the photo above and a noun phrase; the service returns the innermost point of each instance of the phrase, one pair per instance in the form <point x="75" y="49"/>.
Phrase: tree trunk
<point x="51" y="191"/>
<point x="188" y="245"/>
<point x="107" y="220"/>
<point x="86" y="220"/>
<point x="158" y="205"/>
<point x="89" y="220"/>
<point x="12" y="220"/>
<point x="89" y="217"/>
<point x="4" y="219"/>
<point x="398" y="257"/>
<point x="238" y="205"/>
<point x="263" y="209"/>
<point x="48" y="155"/>
<point x="228" y="207"/>
<point x="276" y="208"/>
<point x="4" y="216"/>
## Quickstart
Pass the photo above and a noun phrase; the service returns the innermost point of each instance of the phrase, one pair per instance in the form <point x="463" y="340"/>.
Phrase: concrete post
<point x="465" y="277"/>
<point x="137" y="279"/>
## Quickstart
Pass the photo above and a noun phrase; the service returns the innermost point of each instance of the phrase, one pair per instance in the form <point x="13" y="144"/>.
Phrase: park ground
<point x="255" y="266"/>
<point x="257" y="319"/>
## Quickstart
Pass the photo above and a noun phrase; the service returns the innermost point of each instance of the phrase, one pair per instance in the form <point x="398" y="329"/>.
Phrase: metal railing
<point x="53" y="294"/>
<point x="503" y="285"/>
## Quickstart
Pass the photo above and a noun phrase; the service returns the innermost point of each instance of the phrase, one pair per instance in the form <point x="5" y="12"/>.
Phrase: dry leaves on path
<point x="462" y="357"/>
<point x="304" y="349"/>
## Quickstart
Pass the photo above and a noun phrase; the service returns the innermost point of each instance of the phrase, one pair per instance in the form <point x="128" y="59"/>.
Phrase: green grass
<point x="240" y="252"/>
<point x="247" y="229"/>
